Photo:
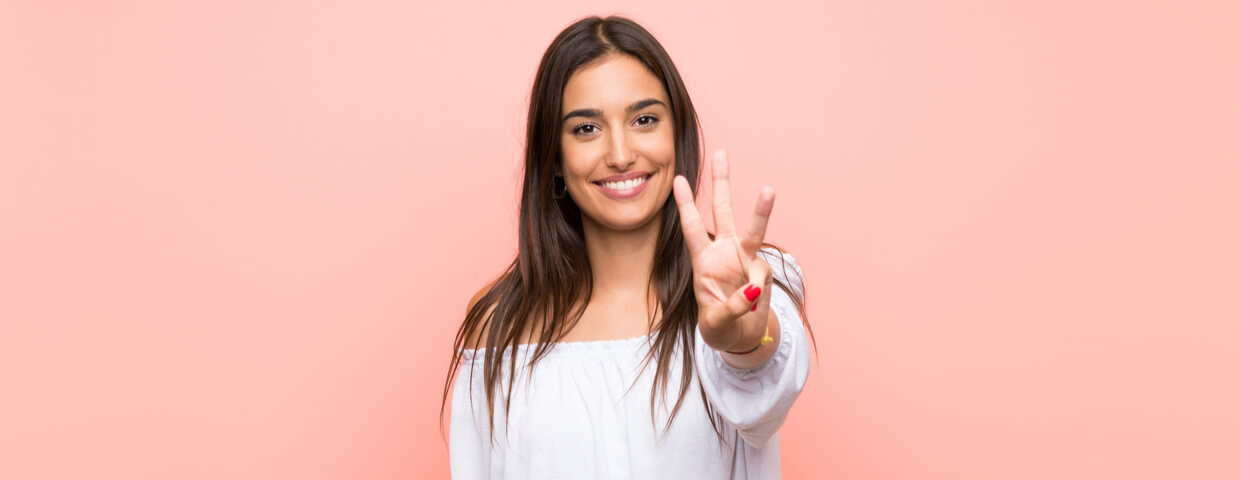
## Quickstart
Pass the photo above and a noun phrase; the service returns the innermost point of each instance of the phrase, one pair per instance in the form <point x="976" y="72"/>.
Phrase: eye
<point x="647" y="120"/>
<point x="584" y="129"/>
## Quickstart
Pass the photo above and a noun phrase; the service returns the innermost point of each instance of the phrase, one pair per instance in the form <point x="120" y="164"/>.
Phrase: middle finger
<point x="722" y="196"/>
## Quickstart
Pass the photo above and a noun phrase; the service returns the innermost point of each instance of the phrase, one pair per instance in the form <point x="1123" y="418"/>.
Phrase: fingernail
<point x="755" y="307"/>
<point x="752" y="292"/>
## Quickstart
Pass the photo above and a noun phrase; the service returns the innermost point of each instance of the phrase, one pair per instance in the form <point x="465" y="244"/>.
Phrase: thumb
<point x="742" y="301"/>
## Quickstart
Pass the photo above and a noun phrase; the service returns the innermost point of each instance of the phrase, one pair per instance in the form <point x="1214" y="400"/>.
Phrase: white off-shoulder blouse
<point x="578" y="418"/>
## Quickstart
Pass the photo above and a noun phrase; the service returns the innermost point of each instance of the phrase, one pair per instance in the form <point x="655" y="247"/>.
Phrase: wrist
<point x="766" y="338"/>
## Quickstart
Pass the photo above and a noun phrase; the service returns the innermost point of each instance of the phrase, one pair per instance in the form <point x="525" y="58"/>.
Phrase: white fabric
<point x="575" y="420"/>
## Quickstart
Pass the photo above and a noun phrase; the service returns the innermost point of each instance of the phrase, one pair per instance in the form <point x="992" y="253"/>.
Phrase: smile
<point x="626" y="189"/>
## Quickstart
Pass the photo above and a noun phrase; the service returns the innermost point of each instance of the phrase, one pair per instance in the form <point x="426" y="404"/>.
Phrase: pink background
<point x="236" y="238"/>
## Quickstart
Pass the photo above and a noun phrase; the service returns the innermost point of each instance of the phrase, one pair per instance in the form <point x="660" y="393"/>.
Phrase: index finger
<point x="690" y="220"/>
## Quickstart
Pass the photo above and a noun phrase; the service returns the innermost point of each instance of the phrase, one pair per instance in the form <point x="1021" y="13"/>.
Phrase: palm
<point x="728" y="263"/>
<point x="718" y="270"/>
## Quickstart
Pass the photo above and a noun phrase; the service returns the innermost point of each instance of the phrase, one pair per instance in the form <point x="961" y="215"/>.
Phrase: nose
<point x="620" y="156"/>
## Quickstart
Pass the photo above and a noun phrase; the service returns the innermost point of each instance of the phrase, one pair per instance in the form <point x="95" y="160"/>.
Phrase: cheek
<point x="661" y="149"/>
<point x="575" y="158"/>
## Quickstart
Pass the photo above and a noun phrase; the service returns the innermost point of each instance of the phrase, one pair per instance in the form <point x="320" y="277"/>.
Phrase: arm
<point x="756" y="400"/>
<point x="469" y="437"/>
<point x="732" y="283"/>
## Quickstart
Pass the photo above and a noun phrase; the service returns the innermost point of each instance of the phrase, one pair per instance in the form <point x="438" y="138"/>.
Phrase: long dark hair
<point x="551" y="273"/>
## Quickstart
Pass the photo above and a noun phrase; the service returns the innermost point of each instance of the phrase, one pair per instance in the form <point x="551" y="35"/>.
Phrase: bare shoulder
<point x="475" y="337"/>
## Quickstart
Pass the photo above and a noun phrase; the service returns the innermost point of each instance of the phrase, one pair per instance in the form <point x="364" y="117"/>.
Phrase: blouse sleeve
<point x="756" y="401"/>
<point x="469" y="436"/>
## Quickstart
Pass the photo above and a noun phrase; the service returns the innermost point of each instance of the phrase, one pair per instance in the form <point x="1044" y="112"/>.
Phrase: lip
<point x="627" y="193"/>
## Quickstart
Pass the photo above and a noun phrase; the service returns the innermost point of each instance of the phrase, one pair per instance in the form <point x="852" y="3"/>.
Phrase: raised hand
<point x="723" y="268"/>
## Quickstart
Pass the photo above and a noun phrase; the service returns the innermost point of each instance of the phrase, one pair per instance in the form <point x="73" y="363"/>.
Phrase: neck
<point x="622" y="260"/>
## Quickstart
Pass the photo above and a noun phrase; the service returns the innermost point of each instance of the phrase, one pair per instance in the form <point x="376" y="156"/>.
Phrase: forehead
<point x="611" y="83"/>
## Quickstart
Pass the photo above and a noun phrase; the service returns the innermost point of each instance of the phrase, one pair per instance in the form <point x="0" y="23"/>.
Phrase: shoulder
<point x="475" y="336"/>
<point x="482" y="292"/>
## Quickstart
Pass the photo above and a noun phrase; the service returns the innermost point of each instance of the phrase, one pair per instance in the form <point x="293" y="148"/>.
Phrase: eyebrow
<point x="594" y="112"/>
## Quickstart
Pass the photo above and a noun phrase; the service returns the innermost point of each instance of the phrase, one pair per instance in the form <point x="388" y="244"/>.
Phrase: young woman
<point x="563" y="364"/>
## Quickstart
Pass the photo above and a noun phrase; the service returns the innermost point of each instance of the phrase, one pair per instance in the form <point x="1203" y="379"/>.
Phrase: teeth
<point x="625" y="185"/>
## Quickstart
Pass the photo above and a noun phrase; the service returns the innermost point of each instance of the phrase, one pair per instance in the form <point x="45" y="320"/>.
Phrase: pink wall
<point x="236" y="238"/>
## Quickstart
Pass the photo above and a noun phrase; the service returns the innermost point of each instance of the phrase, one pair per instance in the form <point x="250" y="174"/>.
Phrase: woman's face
<point x="616" y="124"/>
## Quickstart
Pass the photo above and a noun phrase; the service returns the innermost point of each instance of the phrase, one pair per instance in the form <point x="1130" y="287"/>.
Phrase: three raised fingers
<point x="691" y="221"/>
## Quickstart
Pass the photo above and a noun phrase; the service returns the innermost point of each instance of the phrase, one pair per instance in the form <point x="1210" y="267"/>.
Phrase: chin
<point x="628" y="222"/>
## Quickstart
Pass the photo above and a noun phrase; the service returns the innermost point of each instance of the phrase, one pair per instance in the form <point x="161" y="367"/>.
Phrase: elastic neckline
<point x="586" y="346"/>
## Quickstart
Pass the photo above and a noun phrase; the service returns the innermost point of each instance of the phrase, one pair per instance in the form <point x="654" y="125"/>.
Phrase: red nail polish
<point x="752" y="292"/>
<point x="755" y="307"/>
